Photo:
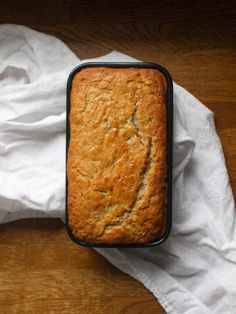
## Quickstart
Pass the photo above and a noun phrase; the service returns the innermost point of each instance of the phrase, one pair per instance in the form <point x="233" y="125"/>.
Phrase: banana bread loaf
<point x="116" y="166"/>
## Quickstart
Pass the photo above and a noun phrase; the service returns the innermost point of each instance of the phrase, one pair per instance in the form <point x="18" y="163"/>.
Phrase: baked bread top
<point x="117" y="153"/>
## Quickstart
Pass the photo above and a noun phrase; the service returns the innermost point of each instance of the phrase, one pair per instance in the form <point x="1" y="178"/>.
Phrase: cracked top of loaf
<point x="116" y="166"/>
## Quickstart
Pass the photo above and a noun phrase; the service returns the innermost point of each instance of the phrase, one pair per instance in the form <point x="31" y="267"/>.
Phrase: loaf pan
<point x="169" y="103"/>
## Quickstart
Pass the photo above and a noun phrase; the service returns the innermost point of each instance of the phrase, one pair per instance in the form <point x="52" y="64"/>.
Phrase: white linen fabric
<point x="33" y="71"/>
<point x="194" y="271"/>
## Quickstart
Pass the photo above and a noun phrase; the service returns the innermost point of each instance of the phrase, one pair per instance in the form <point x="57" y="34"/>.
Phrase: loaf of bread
<point x="117" y="153"/>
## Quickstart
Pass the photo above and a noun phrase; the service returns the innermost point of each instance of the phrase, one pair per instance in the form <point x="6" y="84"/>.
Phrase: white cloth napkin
<point x="33" y="71"/>
<point x="194" y="271"/>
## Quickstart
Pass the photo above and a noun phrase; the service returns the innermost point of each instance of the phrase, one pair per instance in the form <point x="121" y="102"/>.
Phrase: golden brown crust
<point x="117" y="155"/>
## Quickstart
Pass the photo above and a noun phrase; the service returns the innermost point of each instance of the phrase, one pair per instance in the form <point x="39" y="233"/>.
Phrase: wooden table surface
<point x="41" y="270"/>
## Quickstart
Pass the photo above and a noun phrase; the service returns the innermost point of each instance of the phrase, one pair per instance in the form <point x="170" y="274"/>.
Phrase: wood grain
<point x="41" y="270"/>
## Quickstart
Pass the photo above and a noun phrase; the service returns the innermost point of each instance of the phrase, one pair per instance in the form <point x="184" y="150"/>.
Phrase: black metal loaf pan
<point x="169" y="104"/>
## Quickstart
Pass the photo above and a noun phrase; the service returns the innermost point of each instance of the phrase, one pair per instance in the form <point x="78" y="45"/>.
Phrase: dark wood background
<point x="41" y="270"/>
